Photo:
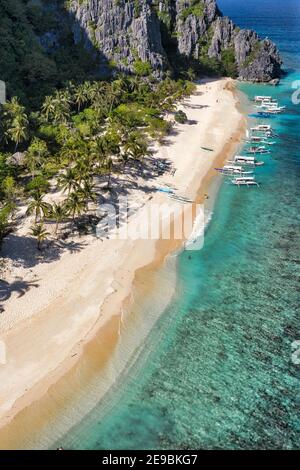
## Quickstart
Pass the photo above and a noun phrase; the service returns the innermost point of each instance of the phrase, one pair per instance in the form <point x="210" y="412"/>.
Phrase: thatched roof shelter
<point x="17" y="159"/>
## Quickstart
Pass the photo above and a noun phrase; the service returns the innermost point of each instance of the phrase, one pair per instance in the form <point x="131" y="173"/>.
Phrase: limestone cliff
<point x="128" y="32"/>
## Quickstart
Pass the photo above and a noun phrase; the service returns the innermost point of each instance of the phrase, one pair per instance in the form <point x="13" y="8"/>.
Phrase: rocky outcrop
<point x="203" y="31"/>
<point x="223" y="36"/>
<point x="124" y="31"/>
<point x="257" y="60"/>
<point x="192" y="23"/>
<point x="128" y="31"/>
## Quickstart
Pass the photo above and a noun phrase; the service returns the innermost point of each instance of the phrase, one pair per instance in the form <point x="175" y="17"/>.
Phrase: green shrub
<point x="142" y="68"/>
<point x="229" y="62"/>
<point x="38" y="184"/>
<point x="196" y="9"/>
<point x="181" y="117"/>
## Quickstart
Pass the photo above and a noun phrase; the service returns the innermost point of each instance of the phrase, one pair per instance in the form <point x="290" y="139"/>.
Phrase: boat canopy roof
<point x="245" y="178"/>
<point x="242" y="157"/>
<point x="232" y="167"/>
<point x="258" y="97"/>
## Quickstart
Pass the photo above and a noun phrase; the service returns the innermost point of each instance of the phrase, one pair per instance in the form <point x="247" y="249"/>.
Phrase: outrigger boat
<point x="230" y="170"/>
<point x="259" y="99"/>
<point x="275" y="110"/>
<point x="270" y="106"/>
<point x="245" y="181"/>
<point x="266" y="113"/>
<point x="259" y="140"/>
<point x="266" y="105"/>
<point x="262" y="128"/>
<point x="261" y="114"/>
<point x="260" y="150"/>
<point x="254" y="138"/>
<point x="267" y="135"/>
<point x="243" y="160"/>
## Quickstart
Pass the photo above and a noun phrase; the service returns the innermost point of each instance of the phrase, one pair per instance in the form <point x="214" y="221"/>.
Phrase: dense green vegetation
<point x="80" y="132"/>
<point x="29" y="72"/>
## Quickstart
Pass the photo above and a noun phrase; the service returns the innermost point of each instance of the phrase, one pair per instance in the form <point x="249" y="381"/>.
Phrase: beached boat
<point x="245" y="181"/>
<point x="244" y="160"/>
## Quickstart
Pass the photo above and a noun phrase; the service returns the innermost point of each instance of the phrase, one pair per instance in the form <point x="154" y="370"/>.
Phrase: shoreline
<point x="45" y="398"/>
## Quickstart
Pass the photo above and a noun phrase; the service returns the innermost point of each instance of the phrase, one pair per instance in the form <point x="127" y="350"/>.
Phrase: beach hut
<point x="17" y="159"/>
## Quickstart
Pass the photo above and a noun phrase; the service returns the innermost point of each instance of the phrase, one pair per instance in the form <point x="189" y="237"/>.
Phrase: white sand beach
<point x="56" y="305"/>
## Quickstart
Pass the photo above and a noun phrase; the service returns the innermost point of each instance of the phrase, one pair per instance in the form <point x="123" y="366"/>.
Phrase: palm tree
<point x="75" y="204"/>
<point x="80" y="95"/>
<point x="82" y="169"/>
<point x="68" y="181"/>
<point x="35" y="154"/>
<point x="15" y="121"/>
<point x="58" y="213"/>
<point x="38" y="231"/>
<point x="113" y="95"/>
<point x="87" y="191"/>
<point x="96" y="91"/>
<point x="17" y="132"/>
<point x="61" y="112"/>
<point x="74" y="146"/>
<point x="13" y="107"/>
<point x="38" y="207"/>
<point x="48" y="107"/>
<point x="136" y="146"/>
<point x="57" y="107"/>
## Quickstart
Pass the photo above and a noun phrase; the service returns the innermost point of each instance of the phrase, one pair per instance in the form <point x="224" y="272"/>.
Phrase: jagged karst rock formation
<point x="129" y="33"/>
<point x="124" y="31"/>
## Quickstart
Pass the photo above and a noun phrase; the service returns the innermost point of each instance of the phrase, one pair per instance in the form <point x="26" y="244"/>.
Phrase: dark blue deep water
<point x="217" y="371"/>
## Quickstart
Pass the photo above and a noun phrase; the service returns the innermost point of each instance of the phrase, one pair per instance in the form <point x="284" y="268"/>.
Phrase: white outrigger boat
<point x="263" y="131"/>
<point x="259" y="139"/>
<point x="271" y="106"/>
<point x="259" y="99"/>
<point x="267" y="104"/>
<point x="231" y="170"/>
<point x="243" y="160"/>
<point x="245" y="181"/>
<point x="262" y="128"/>
<point x="261" y="150"/>
<point x="274" y="110"/>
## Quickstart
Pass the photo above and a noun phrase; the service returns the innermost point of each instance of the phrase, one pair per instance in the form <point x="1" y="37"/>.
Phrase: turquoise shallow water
<point x="216" y="370"/>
